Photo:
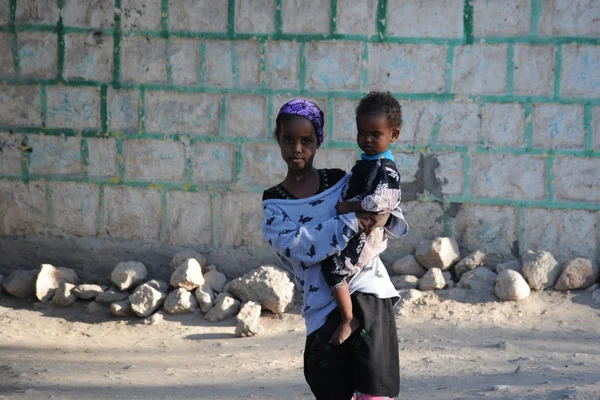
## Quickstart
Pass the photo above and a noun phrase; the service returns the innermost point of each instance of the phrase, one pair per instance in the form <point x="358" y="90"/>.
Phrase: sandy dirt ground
<point x="451" y="347"/>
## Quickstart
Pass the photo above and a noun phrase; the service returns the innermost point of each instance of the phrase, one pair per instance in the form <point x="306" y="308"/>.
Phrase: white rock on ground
<point x="128" y="274"/>
<point x="408" y="265"/>
<point x="596" y="296"/>
<point x="248" y="320"/>
<point x="63" y="295"/>
<point x="111" y="296"/>
<point x="49" y="279"/>
<point x="94" y="307"/>
<point x="433" y="280"/>
<point x="88" y="291"/>
<point x="180" y="301"/>
<point x="205" y="298"/>
<point x="480" y="279"/>
<point x="216" y="280"/>
<point x="510" y="285"/>
<point x="515" y="265"/>
<point x="20" y="283"/>
<point x="540" y="270"/>
<point x="188" y="275"/>
<point x="183" y="255"/>
<point x="439" y="253"/>
<point x="409" y="296"/>
<point x="121" y="309"/>
<point x="469" y="263"/>
<point x="147" y="297"/>
<point x="579" y="273"/>
<point x="405" y="282"/>
<point x="225" y="307"/>
<point x="154" y="319"/>
<point x="266" y="285"/>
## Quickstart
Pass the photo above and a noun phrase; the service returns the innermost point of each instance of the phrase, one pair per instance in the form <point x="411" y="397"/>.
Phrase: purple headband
<point x="308" y="110"/>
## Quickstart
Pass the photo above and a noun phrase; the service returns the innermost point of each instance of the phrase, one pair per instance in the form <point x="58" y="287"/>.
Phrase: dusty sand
<point x="452" y="347"/>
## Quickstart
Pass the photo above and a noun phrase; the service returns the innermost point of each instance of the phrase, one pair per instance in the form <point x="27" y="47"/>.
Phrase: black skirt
<point x="367" y="361"/>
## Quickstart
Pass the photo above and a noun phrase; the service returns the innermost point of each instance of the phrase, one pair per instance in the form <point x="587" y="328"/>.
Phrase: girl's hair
<point x="384" y="103"/>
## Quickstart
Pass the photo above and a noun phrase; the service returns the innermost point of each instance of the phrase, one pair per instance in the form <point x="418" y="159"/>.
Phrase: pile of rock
<point x="437" y="265"/>
<point x="194" y="287"/>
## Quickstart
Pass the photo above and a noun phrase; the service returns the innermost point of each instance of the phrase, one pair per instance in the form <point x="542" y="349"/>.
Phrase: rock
<point x="188" y="275"/>
<point x="180" y="301"/>
<point x="225" y="307"/>
<point x="128" y="274"/>
<point x="88" y="291"/>
<point x="154" y="319"/>
<point x="1" y="279"/>
<point x="111" y="296"/>
<point x="510" y="285"/>
<point x="121" y="309"/>
<point x="248" y="320"/>
<point x="593" y="287"/>
<point x="266" y="285"/>
<point x="49" y="279"/>
<point x="183" y="255"/>
<point x="20" y="283"/>
<point x="216" y="280"/>
<point x="596" y="296"/>
<point x="94" y="307"/>
<point x="147" y="297"/>
<point x="433" y="279"/>
<point x="440" y="253"/>
<point x="405" y="282"/>
<point x="408" y="265"/>
<point x="63" y="295"/>
<point x="409" y="296"/>
<point x="579" y="273"/>
<point x="205" y="298"/>
<point x="210" y="267"/>
<point x="540" y="270"/>
<point x="480" y="279"/>
<point x="515" y="265"/>
<point x="447" y="278"/>
<point x="469" y="263"/>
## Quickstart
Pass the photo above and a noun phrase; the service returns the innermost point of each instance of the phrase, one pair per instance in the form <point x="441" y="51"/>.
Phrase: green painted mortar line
<point x="536" y="11"/>
<point x="557" y="71"/>
<point x="231" y="19"/>
<point x="449" y="67"/>
<point x="589" y="132"/>
<point x="223" y="115"/>
<point x="550" y="176"/>
<point x="164" y="214"/>
<point x="49" y="205"/>
<point x="202" y="64"/>
<point x="435" y="131"/>
<point x="468" y="22"/>
<point x="104" y="107"/>
<point x="169" y="67"/>
<point x="381" y="19"/>
<point x="364" y="69"/>
<point x="278" y="17"/>
<point x="466" y="174"/>
<point x="85" y="157"/>
<point x="521" y="224"/>
<point x="164" y="17"/>
<point x="510" y="69"/>
<point x="188" y="172"/>
<point x="262" y="66"/>
<point x="555" y="40"/>
<point x="60" y="31"/>
<point x="120" y="163"/>
<point x="68" y="30"/>
<point x="447" y="220"/>
<point x="142" y="111"/>
<point x="100" y="217"/>
<point x="44" y="106"/>
<point x="235" y="64"/>
<point x="529" y="125"/>
<point x="117" y="45"/>
<point x="302" y="66"/>
<point x="329" y="121"/>
<point x="270" y="116"/>
<point x="333" y="12"/>
<point x="25" y="158"/>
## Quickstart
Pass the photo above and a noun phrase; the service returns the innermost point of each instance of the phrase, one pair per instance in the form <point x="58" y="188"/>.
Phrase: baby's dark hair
<point x="381" y="102"/>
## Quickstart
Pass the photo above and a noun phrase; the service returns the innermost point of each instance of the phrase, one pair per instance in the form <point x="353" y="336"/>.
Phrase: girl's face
<point x="374" y="134"/>
<point x="298" y="143"/>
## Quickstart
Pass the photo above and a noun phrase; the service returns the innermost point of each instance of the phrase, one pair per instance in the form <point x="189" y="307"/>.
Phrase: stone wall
<point x="130" y="129"/>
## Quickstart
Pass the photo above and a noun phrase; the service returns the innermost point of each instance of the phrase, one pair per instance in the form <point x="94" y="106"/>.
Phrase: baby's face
<point x="374" y="133"/>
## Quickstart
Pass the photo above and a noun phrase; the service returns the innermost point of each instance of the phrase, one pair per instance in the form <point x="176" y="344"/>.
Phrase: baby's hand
<point x="343" y="207"/>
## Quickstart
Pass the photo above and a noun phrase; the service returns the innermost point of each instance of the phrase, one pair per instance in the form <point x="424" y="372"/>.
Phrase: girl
<point x="301" y="223"/>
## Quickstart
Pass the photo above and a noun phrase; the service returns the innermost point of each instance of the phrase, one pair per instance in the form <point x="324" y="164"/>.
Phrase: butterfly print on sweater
<point x="312" y="252"/>
<point x="315" y="203"/>
<point x="304" y="219"/>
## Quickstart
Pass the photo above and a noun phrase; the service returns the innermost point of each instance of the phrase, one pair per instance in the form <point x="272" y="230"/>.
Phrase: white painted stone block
<point x="425" y="18"/>
<point x="580" y="73"/>
<point x="89" y="13"/>
<point x="102" y="159"/>
<point x="419" y="118"/>
<point x="558" y="126"/>
<point x="75" y="208"/>
<point x="10" y="159"/>
<point x="534" y="70"/>
<point x="344" y="120"/>
<point x="333" y="66"/>
<point x="20" y="105"/>
<point x="247" y="116"/>
<point x="426" y="222"/>
<point x="449" y="173"/>
<point x="191" y="113"/>
<point x="35" y="12"/>
<point x="300" y="16"/>
<point x="23" y="209"/>
<point x="37" y="54"/>
<point x="460" y="123"/>
<point x="184" y="59"/>
<point x="88" y="57"/>
<point x="577" y="178"/>
<point x="123" y="110"/>
<point x="143" y="60"/>
<point x="190" y="218"/>
<point x="262" y="165"/>
<point x="480" y="69"/>
<point x="283" y="64"/>
<point x="74" y="107"/>
<point x="357" y="17"/>
<point x="6" y="56"/>
<point x="132" y="213"/>
<point x="335" y="158"/>
<point x="255" y="16"/>
<point x="198" y="16"/>
<point x="503" y="124"/>
<point x="54" y="155"/>
<point x="213" y="163"/>
<point x="501" y="17"/>
<point x="570" y="18"/>
<point x="154" y="160"/>
<point x="140" y="15"/>
<point x="241" y="216"/>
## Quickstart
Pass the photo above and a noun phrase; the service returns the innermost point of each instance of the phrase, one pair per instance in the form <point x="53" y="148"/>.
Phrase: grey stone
<point x="408" y="265"/>
<point x="147" y="297"/>
<point x="188" y="275"/>
<point x="540" y="270"/>
<point x="433" y="279"/>
<point x="180" y="301"/>
<point x="266" y="285"/>
<point x="593" y="287"/>
<point x="63" y="295"/>
<point x="596" y="296"/>
<point x="447" y="278"/>
<point x="216" y="280"/>
<point x="480" y="280"/>
<point x="510" y="285"/>
<point x="515" y="265"/>
<point x="439" y="253"/>
<point x="161" y="286"/>
<point x="128" y="274"/>
<point x="20" y="283"/>
<point x="111" y="296"/>
<point x="49" y="279"/>
<point x="409" y="296"/>
<point x="469" y="263"/>
<point x="248" y="320"/>
<point x="205" y="298"/>
<point x="184" y="255"/>
<point x="210" y="267"/>
<point x="1" y="279"/>
<point x="579" y="273"/>
<point x="88" y="291"/>
<point x="94" y="307"/>
<point x="154" y="319"/>
<point x="225" y="307"/>
<point x="121" y="309"/>
<point x="405" y="282"/>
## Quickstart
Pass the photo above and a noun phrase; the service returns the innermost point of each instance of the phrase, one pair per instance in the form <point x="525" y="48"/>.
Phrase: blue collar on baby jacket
<point x="386" y="154"/>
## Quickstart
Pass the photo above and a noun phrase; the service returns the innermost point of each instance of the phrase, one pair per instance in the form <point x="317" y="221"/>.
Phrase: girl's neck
<point x="302" y="184"/>
<point x="299" y="177"/>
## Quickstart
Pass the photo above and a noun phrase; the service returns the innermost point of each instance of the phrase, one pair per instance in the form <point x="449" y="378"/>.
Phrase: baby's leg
<point x="348" y="323"/>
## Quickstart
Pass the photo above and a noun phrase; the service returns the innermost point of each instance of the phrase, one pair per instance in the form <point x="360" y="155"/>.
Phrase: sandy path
<point x="547" y="347"/>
